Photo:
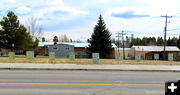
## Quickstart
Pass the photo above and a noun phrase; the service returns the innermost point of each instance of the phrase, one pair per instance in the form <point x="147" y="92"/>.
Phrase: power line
<point x="165" y="32"/>
<point x="174" y="29"/>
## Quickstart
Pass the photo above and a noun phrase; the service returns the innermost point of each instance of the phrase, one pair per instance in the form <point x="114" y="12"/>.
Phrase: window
<point x="55" y="48"/>
<point x="67" y="48"/>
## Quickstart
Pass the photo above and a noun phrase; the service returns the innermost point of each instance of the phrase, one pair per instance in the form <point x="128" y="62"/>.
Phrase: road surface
<point x="52" y="82"/>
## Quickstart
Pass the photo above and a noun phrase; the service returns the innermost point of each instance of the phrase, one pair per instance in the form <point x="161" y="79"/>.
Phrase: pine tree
<point x="55" y="39"/>
<point x="160" y="41"/>
<point x="13" y="35"/>
<point x="178" y="43"/>
<point x="137" y="41"/>
<point x="144" y="41"/>
<point x="43" y="39"/>
<point x="23" y="39"/>
<point x="9" y="27"/>
<point x="169" y="42"/>
<point x="174" y="41"/>
<point x="100" y="41"/>
<point x="127" y="42"/>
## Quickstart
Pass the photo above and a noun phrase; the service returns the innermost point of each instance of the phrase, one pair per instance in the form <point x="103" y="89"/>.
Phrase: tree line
<point x="145" y="41"/>
<point x="148" y="41"/>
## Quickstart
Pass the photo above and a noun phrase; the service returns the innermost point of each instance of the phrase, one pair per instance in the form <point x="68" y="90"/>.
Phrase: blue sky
<point x="76" y="18"/>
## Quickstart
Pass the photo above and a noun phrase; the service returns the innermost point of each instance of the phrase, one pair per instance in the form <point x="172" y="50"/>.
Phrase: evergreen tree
<point x="169" y="42"/>
<point x="9" y="25"/>
<point x="144" y="41"/>
<point x="43" y="39"/>
<point x="13" y="35"/>
<point x="174" y="41"/>
<point x="1" y="39"/>
<point x="71" y="40"/>
<point x="137" y="41"/>
<point x="178" y="42"/>
<point x="151" y="41"/>
<point x="100" y="40"/>
<point x="23" y="39"/>
<point x="55" y="39"/>
<point x="160" y="41"/>
<point x="127" y="42"/>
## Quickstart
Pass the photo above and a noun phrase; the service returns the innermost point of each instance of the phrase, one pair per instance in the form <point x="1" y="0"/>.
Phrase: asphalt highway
<point x="59" y="82"/>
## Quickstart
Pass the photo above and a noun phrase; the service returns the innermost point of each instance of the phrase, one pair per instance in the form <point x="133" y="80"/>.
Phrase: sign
<point x="117" y="57"/>
<point x="29" y="55"/>
<point x="71" y="56"/>
<point x="156" y="56"/>
<point x="95" y="57"/>
<point x="170" y="57"/>
<point x="138" y="57"/>
<point x="52" y="56"/>
<point x="11" y="55"/>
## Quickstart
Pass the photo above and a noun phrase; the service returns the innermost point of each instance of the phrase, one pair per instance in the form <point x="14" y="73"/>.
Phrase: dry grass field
<point x="84" y="61"/>
<point x="121" y="52"/>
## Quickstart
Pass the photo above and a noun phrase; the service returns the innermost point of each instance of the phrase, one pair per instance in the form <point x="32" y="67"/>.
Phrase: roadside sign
<point x="95" y="57"/>
<point x="170" y="57"/>
<point x="72" y="56"/>
<point x="29" y="55"/>
<point x="11" y="55"/>
<point x="156" y="56"/>
<point x="138" y="57"/>
<point x="52" y="56"/>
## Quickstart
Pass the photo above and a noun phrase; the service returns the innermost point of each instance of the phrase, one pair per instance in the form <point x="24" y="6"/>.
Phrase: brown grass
<point x="84" y="61"/>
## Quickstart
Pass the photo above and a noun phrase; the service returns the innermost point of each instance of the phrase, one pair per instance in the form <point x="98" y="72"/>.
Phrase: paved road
<point x="51" y="82"/>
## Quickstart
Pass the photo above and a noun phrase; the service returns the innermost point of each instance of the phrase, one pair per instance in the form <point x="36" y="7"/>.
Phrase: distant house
<point x="148" y="52"/>
<point x="62" y="49"/>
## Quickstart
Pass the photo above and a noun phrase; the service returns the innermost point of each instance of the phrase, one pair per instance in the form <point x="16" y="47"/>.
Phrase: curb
<point x="88" y="69"/>
<point x="72" y="67"/>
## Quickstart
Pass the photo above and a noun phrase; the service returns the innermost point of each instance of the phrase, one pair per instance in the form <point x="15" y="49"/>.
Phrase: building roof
<point x="156" y="48"/>
<point x="75" y="44"/>
<point x="124" y="48"/>
<point x="42" y="44"/>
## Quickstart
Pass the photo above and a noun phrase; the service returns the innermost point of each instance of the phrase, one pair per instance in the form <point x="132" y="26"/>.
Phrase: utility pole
<point x="118" y="36"/>
<point x="123" y="43"/>
<point x="165" y="31"/>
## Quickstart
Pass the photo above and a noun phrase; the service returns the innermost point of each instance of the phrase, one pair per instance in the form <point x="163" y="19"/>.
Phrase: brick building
<point x="148" y="52"/>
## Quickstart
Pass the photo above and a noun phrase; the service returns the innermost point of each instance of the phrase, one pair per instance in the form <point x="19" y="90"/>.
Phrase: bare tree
<point x="61" y="38"/>
<point x="34" y="28"/>
<point x="64" y="38"/>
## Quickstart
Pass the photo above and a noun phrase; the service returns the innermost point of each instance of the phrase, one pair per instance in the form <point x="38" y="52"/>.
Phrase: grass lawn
<point x="84" y="61"/>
